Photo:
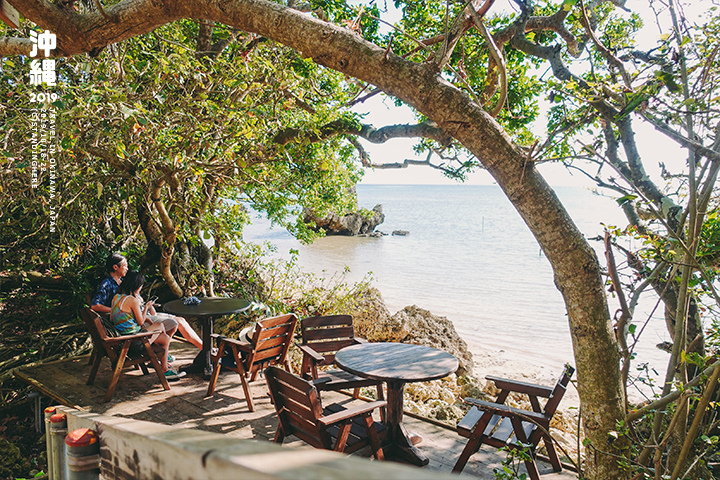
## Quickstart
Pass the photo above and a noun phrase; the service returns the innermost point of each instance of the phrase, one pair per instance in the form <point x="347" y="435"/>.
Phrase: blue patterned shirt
<point x="105" y="292"/>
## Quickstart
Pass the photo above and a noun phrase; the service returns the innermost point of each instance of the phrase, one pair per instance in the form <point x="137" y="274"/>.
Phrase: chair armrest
<point x="241" y="344"/>
<point x="521" y="387"/>
<point x="351" y="412"/>
<point x="359" y="340"/>
<point x="307" y="350"/>
<point x="126" y="338"/>
<point x="508" y="411"/>
<point x="321" y="381"/>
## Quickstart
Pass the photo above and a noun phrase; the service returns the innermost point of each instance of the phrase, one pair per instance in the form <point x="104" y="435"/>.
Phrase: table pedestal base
<point x="202" y="363"/>
<point x="398" y="445"/>
<point x="203" y="360"/>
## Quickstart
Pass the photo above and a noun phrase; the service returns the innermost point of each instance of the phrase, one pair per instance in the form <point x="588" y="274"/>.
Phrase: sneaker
<point x="170" y="358"/>
<point x="174" y="375"/>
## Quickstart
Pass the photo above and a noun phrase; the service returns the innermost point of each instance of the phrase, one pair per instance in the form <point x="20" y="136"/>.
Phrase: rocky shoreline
<point x="441" y="400"/>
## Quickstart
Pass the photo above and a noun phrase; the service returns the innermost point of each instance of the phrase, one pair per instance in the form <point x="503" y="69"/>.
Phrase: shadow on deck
<point x="185" y="405"/>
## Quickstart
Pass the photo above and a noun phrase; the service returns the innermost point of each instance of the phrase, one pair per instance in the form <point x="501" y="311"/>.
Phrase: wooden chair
<point x="322" y="337"/>
<point x="268" y="346"/>
<point x="300" y="413"/>
<point x="500" y="425"/>
<point x="118" y="350"/>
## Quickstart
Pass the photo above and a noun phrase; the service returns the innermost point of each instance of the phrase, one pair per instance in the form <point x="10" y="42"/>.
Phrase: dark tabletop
<point x="210" y="307"/>
<point x="396" y="361"/>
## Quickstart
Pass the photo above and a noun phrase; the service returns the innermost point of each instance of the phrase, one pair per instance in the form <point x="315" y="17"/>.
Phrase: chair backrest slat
<point x="328" y="334"/>
<point x="313" y="335"/>
<point x="327" y="321"/>
<point x="558" y="391"/>
<point x="271" y="339"/>
<point x="93" y="322"/>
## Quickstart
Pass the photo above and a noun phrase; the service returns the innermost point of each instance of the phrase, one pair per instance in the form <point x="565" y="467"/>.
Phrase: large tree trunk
<point x="576" y="268"/>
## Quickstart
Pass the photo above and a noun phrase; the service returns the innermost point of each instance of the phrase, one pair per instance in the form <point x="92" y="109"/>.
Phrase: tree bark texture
<point x="576" y="268"/>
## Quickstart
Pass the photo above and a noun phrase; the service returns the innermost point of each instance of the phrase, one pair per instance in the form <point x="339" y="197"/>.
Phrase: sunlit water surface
<point x="470" y="257"/>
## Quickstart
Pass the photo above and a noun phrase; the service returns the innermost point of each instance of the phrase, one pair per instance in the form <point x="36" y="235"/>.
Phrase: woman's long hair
<point x="132" y="281"/>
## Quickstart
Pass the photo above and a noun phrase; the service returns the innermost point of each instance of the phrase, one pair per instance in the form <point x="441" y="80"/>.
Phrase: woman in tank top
<point x="129" y="317"/>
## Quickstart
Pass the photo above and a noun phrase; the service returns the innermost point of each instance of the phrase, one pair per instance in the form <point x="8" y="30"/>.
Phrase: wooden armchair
<point x="269" y="345"/>
<point x="121" y="351"/>
<point x="499" y="425"/>
<point x="300" y="413"/>
<point x="322" y="337"/>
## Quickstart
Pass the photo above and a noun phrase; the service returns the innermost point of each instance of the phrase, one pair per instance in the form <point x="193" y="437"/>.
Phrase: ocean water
<point x="470" y="257"/>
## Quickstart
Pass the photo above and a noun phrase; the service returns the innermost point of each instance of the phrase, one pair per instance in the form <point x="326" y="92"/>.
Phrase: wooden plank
<point x="265" y="344"/>
<point x="46" y="390"/>
<point x="330" y="346"/>
<point x="269" y="353"/>
<point x="343" y="332"/>
<point x="327" y="320"/>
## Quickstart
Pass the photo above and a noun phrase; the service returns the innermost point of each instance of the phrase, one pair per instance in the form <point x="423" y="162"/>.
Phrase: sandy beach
<point x="502" y="363"/>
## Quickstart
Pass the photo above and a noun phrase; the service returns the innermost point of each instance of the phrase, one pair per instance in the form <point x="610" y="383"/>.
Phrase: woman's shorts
<point x="168" y="321"/>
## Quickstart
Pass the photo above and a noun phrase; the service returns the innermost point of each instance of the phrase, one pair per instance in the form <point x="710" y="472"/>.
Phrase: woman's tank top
<point x="124" y="322"/>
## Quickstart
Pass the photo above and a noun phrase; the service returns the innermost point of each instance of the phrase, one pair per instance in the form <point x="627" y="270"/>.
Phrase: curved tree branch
<point x="15" y="46"/>
<point x="368" y="132"/>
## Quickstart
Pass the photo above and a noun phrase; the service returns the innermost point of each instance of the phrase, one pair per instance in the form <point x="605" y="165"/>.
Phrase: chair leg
<point x="243" y="379"/>
<point x="532" y="470"/>
<point x="155" y="364"/>
<point x="279" y="435"/>
<point x="216" y="367"/>
<point x="522" y="438"/>
<point x="93" y="371"/>
<point x="472" y="446"/>
<point x="374" y="438"/>
<point x="116" y="371"/>
<point x="342" y="436"/>
<point x="381" y="396"/>
<point x="552" y="453"/>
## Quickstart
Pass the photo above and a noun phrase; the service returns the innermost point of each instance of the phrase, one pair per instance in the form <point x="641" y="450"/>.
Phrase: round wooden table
<point x="209" y="309"/>
<point x="397" y="364"/>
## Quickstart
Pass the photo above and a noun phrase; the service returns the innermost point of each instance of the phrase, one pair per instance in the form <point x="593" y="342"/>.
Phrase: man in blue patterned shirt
<point x="116" y="267"/>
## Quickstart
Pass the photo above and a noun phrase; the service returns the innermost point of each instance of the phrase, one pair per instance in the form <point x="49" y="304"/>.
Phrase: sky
<point x="381" y="111"/>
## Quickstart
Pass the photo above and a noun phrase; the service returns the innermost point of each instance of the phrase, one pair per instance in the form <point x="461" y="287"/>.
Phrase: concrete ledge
<point x="144" y="450"/>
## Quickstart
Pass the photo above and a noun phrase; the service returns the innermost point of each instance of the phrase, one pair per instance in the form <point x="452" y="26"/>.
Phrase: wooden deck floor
<point x="185" y="404"/>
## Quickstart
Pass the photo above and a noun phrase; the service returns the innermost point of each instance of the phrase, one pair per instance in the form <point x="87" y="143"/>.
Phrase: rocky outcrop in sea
<point x="350" y="224"/>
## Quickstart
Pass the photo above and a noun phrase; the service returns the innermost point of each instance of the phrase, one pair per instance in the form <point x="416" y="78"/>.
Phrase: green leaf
<point x="569" y="4"/>
<point x="625" y="199"/>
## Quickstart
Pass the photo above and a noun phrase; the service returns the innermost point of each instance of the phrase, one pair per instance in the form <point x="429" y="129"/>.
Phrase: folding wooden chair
<point x="300" y="413"/>
<point x="269" y="345"/>
<point x="118" y="350"/>
<point x="499" y="425"/>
